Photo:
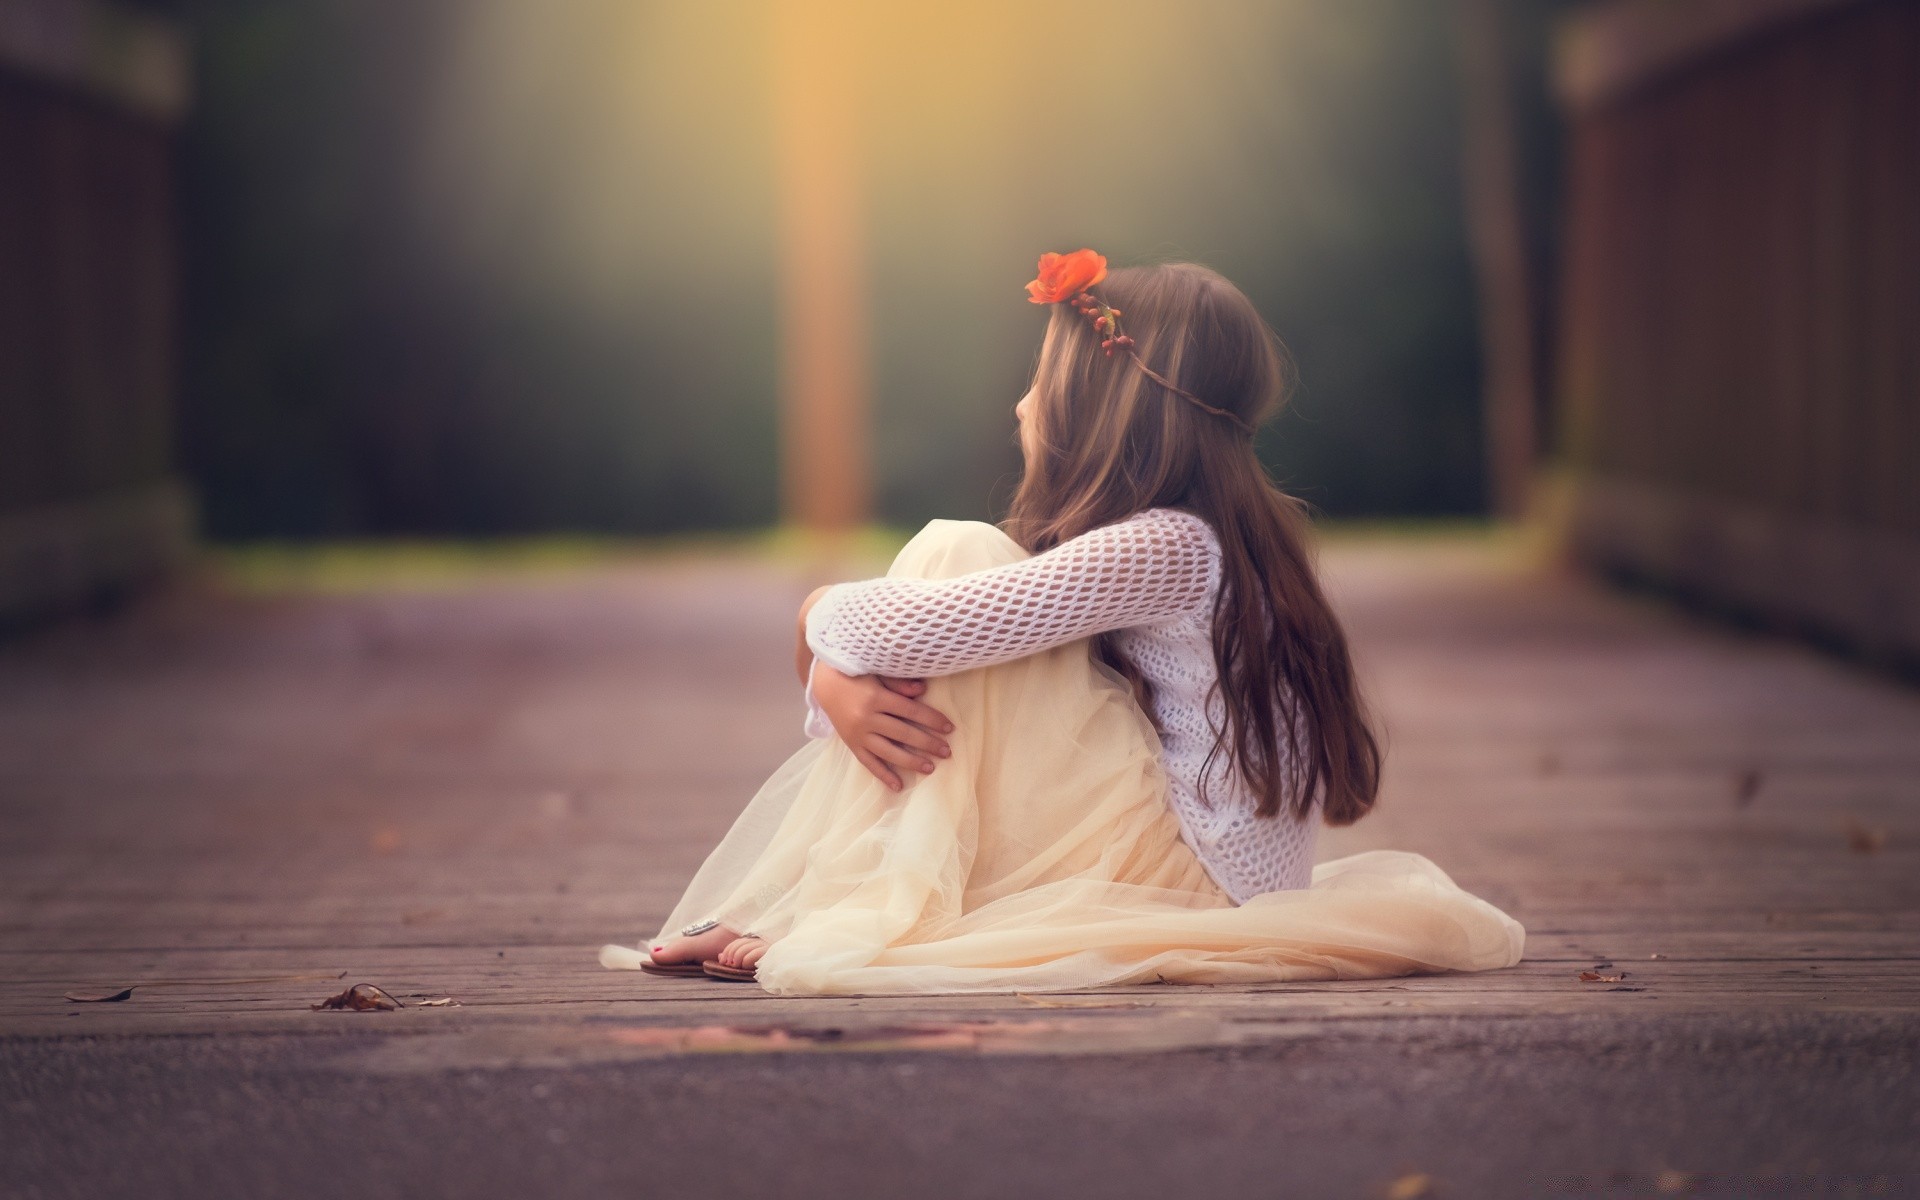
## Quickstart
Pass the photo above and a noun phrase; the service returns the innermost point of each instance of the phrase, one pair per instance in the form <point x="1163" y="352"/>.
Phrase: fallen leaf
<point x="1862" y="839"/>
<point x="442" y="1002"/>
<point x="100" y="995"/>
<point x="1410" y="1187"/>
<point x="361" y="997"/>
<point x="1597" y="977"/>
<point x="1746" y="786"/>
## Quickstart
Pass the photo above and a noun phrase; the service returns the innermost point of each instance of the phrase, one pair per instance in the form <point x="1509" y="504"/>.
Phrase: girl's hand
<point x="880" y="719"/>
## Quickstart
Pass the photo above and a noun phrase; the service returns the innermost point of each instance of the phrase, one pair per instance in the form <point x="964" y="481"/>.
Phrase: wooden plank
<point x="243" y="790"/>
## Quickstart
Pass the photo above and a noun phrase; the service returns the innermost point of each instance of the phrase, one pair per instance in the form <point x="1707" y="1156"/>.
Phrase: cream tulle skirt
<point x="1042" y="856"/>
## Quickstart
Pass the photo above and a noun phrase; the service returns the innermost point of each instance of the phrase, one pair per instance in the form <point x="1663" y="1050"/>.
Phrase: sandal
<point x="719" y="970"/>
<point x="682" y="970"/>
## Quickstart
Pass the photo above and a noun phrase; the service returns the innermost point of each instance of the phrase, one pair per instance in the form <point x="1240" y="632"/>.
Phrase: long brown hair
<point x="1112" y="441"/>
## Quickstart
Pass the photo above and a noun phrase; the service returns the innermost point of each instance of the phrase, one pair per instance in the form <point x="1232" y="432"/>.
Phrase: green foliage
<point x="427" y="564"/>
<point x="488" y="267"/>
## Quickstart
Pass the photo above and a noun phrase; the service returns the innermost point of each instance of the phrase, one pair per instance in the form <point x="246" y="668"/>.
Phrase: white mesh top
<point x="1153" y="577"/>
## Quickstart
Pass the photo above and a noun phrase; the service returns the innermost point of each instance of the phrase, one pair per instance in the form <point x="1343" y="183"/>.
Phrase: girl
<point x="1092" y="746"/>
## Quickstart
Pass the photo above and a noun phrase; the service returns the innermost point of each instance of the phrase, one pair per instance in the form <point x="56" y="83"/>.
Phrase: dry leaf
<point x="1410" y="1187"/>
<point x="100" y="995"/>
<point x="1597" y="977"/>
<point x="361" y="997"/>
<point x="1862" y="839"/>
<point x="442" y="1002"/>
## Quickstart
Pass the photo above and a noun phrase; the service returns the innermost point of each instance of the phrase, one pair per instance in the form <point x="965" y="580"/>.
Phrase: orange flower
<point x="1065" y="275"/>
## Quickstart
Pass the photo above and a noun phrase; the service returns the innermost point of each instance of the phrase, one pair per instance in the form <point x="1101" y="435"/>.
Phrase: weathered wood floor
<point x="462" y="793"/>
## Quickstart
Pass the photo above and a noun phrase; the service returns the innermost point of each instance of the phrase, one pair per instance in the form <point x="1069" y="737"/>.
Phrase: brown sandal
<point x="679" y="970"/>
<point x="720" y="970"/>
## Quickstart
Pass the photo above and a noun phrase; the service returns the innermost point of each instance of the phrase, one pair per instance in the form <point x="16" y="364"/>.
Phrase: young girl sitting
<point x="1093" y="746"/>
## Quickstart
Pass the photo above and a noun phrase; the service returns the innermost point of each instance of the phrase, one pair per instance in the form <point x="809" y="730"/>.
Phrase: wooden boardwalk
<point x="241" y="805"/>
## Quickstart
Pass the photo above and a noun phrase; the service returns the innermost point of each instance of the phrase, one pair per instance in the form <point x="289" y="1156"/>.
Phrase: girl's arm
<point x="880" y="719"/>
<point x="802" y="655"/>
<point x="1151" y="567"/>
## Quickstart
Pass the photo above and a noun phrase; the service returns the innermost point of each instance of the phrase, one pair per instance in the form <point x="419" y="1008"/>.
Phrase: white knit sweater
<point x="1153" y="577"/>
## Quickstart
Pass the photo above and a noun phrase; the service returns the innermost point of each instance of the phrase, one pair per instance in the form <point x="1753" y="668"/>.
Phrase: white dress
<point x="1153" y="577"/>
<point x="1043" y="854"/>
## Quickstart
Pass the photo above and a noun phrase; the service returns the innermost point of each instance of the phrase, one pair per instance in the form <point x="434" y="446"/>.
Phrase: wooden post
<point x="91" y="503"/>
<point x="1497" y="235"/>
<point x="825" y="446"/>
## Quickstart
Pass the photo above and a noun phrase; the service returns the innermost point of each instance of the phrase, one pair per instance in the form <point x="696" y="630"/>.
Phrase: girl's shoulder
<point x="1164" y="541"/>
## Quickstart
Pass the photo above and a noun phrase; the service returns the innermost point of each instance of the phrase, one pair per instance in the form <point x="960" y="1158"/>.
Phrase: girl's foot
<point x="696" y="949"/>
<point x="743" y="953"/>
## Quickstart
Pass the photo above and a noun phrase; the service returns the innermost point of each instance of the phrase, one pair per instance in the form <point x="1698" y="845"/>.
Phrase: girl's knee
<point x="967" y="533"/>
<point x="945" y="548"/>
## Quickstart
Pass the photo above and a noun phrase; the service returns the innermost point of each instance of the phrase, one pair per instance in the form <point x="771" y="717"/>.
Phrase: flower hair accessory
<point x="1068" y="278"/>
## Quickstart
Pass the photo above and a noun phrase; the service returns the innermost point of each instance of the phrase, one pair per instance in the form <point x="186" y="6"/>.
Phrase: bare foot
<point x="696" y="949"/>
<point x="744" y="953"/>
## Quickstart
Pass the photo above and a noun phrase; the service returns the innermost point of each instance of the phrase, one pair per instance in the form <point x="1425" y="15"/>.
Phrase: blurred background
<point x="324" y="269"/>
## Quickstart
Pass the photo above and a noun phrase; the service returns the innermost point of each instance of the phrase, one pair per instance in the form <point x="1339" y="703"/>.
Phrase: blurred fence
<point x="88" y="499"/>
<point x="1739" y="359"/>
